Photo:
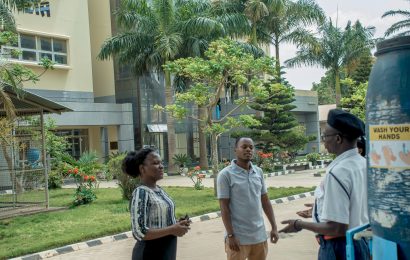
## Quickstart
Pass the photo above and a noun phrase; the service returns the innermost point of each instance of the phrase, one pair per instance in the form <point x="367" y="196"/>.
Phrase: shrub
<point x="84" y="193"/>
<point x="196" y="177"/>
<point x="126" y="183"/>
<point x="264" y="161"/>
<point x="84" y="171"/>
<point x="181" y="159"/>
<point x="55" y="179"/>
<point x="313" y="157"/>
<point x="113" y="166"/>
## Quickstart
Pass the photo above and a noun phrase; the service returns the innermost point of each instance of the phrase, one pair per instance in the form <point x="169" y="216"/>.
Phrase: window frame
<point x="6" y="49"/>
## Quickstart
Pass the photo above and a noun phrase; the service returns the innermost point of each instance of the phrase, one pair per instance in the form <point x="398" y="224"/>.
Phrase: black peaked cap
<point x="348" y="124"/>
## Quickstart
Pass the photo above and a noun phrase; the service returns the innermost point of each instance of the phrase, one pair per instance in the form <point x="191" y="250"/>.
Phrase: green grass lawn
<point x="106" y="216"/>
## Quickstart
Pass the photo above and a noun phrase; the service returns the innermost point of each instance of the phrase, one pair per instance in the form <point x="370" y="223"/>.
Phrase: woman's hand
<point x="185" y="222"/>
<point x="179" y="229"/>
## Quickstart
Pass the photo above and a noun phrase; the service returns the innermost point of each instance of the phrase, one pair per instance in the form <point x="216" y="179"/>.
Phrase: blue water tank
<point x="388" y="142"/>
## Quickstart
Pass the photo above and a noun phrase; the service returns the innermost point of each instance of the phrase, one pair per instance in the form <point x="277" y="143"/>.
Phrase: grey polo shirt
<point x="244" y="189"/>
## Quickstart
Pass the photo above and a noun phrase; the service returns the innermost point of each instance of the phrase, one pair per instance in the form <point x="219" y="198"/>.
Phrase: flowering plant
<point x="196" y="177"/>
<point x="264" y="160"/>
<point x="85" y="186"/>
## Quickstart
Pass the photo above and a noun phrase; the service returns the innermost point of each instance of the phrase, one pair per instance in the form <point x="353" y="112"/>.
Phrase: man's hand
<point x="291" y="226"/>
<point x="233" y="243"/>
<point x="274" y="236"/>
<point x="307" y="213"/>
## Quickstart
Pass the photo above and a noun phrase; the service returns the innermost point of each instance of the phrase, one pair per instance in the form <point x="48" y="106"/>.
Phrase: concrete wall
<point x="100" y="30"/>
<point x="68" y="20"/>
<point x="117" y="118"/>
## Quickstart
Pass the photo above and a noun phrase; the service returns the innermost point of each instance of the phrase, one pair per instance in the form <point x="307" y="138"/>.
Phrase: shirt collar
<point x="344" y="155"/>
<point x="239" y="169"/>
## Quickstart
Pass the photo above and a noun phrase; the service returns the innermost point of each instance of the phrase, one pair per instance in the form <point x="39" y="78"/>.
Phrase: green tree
<point x="325" y="89"/>
<point x="56" y="146"/>
<point x="255" y="11"/>
<point x="334" y="49"/>
<point x="362" y="71"/>
<point x="277" y="118"/>
<point x="226" y="63"/>
<point x="355" y="101"/>
<point x="151" y="33"/>
<point x="279" y="130"/>
<point x="269" y="21"/>
<point x="288" y="20"/>
<point x="400" y="28"/>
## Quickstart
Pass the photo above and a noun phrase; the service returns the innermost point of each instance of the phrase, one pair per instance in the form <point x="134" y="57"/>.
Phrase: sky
<point x="369" y="13"/>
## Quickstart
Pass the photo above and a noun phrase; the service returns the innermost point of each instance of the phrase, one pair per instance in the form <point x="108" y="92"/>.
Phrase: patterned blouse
<point x="150" y="209"/>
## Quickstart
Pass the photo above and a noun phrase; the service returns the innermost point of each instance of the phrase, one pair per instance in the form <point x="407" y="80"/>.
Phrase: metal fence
<point x="23" y="167"/>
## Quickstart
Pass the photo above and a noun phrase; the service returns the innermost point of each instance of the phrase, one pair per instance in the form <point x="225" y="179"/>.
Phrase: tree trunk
<point x="215" y="168"/>
<point x="254" y="39"/>
<point x="169" y="98"/>
<point x="337" y="88"/>
<point x="277" y="60"/>
<point x="203" y="153"/>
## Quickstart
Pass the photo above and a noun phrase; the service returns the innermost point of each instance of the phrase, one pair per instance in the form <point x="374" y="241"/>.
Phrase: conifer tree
<point x="279" y="130"/>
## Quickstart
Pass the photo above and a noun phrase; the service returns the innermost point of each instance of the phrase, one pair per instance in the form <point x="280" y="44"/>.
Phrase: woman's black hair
<point x="133" y="160"/>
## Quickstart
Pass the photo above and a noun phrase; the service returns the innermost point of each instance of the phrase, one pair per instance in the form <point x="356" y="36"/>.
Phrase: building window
<point x="33" y="48"/>
<point x="78" y="141"/>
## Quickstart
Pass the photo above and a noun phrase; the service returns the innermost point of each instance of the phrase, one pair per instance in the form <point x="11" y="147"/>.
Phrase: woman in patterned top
<point x="152" y="210"/>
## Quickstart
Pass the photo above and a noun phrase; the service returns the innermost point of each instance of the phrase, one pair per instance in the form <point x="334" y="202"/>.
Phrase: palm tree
<point x="334" y="49"/>
<point x="153" y="32"/>
<point x="287" y="22"/>
<point x="255" y="11"/>
<point x="400" y="25"/>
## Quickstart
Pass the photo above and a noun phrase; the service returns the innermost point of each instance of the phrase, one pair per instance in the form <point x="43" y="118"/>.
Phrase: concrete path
<point x="299" y="178"/>
<point x="205" y="241"/>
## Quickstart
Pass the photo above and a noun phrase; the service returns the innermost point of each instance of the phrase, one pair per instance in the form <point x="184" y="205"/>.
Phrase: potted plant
<point x="181" y="160"/>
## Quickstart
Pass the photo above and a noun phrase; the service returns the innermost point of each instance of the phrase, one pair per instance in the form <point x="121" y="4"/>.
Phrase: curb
<point x="274" y="174"/>
<point x="126" y="235"/>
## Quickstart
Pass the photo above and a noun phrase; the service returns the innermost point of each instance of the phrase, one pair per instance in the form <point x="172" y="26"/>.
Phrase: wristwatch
<point x="230" y="235"/>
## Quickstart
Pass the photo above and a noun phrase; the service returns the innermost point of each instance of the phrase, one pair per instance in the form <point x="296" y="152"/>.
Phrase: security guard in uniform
<point x="341" y="198"/>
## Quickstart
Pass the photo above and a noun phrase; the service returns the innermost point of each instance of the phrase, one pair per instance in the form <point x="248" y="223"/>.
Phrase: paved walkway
<point x="205" y="241"/>
<point x="299" y="178"/>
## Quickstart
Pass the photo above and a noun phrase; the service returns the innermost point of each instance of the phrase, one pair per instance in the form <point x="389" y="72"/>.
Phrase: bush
<point x="86" y="184"/>
<point x="313" y="157"/>
<point x="126" y="183"/>
<point x="55" y="179"/>
<point x="181" y="159"/>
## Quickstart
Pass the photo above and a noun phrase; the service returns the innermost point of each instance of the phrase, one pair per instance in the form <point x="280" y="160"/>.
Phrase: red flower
<point x="197" y="168"/>
<point x="92" y="178"/>
<point x="69" y="171"/>
<point x="75" y="170"/>
<point x="86" y="177"/>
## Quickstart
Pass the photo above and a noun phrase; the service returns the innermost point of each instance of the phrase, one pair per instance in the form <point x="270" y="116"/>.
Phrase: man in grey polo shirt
<point x="242" y="196"/>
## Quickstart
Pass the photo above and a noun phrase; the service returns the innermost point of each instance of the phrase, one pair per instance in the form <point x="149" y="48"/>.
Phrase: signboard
<point x="389" y="146"/>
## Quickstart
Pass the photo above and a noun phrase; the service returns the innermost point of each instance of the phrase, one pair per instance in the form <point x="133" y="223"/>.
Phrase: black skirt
<point x="164" y="248"/>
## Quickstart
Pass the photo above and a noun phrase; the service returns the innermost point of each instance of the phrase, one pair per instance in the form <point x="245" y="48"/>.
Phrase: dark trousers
<point x="164" y="248"/>
<point x="335" y="249"/>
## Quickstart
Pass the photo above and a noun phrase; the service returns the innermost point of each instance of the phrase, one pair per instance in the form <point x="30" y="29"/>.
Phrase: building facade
<point x="70" y="33"/>
<point x="113" y="110"/>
